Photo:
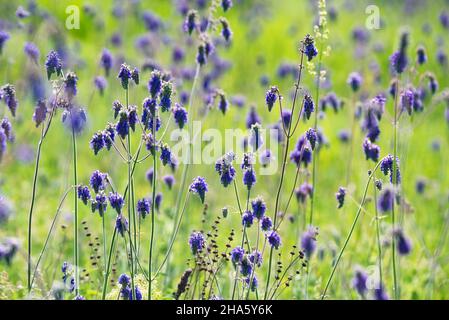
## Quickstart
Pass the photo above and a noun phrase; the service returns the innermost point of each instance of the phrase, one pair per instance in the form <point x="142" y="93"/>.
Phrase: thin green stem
<point x="379" y="245"/>
<point x="394" y="180"/>
<point x="75" y="199"/>
<point x="323" y="296"/>
<point x="108" y="266"/>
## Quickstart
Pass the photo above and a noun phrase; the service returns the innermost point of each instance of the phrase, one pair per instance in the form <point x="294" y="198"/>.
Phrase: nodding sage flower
<point x="254" y="283"/>
<point x="225" y="169"/>
<point x="271" y="97"/>
<point x="121" y="224"/>
<point x="196" y="242"/>
<point x="6" y="126"/>
<point x="226" y="4"/>
<point x="355" y="81"/>
<point x="248" y="160"/>
<point x="274" y="239"/>
<point x="199" y="186"/>
<point x="308" y="241"/>
<point x="100" y="83"/>
<point x="222" y="102"/>
<point x="256" y="258"/>
<point x="286" y="117"/>
<point x="143" y="207"/>
<point x="247" y="219"/>
<point x="8" y="94"/>
<point x="116" y="201"/>
<point x="266" y="157"/>
<point x="180" y="115"/>
<point x="191" y="22"/>
<point x="53" y="64"/>
<point x="309" y="47"/>
<point x="340" y="196"/>
<point x="155" y="83"/>
<point x="97" y="142"/>
<point x="31" y="51"/>
<point x="116" y="107"/>
<point x="122" y="126"/>
<point x="421" y="56"/>
<point x="100" y="204"/>
<point x="303" y="191"/>
<point x="309" y="106"/>
<point x="255" y="137"/>
<point x="359" y="282"/>
<point x="386" y="166"/>
<point x="201" y="56"/>
<point x="371" y="150"/>
<point x="398" y="59"/>
<point x="132" y="117"/>
<point x="165" y="98"/>
<point x="385" y="201"/>
<point x="135" y="77"/>
<point x="150" y="145"/>
<point x="4" y="36"/>
<point x="70" y="83"/>
<point x="259" y="207"/>
<point x="83" y="194"/>
<point x="40" y="112"/>
<point x="165" y="154"/>
<point x="420" y="185"/>
<point x="106" y="61"/>
<point x="380" y="293"/>
<point x="312" y="136"/>
<point x="252" y="117"/>
<point x="124" y="75"/>
<point x="3" y="145"/>
<point x="98" y="181"/>
<point x="109" y="135"/>
<point x="245" y="266"/>
<point x="158" y="201"/>
<point x="75" y="119"/>
<point x="302" y="152"/>
<point x="407" y="101"/>
<point x="249" y="178"/>
<point x="169" y="180"/>
<point x="237" y="255"/>
<point x="403" y="244"/>
<point x="226" y="31"/>
<point x="266" y="223"/>
<point x="433" y="83"/>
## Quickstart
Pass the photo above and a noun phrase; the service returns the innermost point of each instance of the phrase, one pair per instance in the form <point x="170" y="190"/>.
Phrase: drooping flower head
<point x="359" y="282"/>
<point x="32" y="51"/>
<point x="155" y="83"/>
<point x="403" y="243"/>
<point x="237" y="255"/>
<point x="4" y="36"/>
<point x="40" y="112"/>
<point x="386" y="200"/>
<point x="340" y="196"/>
<point x="199" y="186"/>
<point x="143" y="207"/>
<point x="98" y="181"/>
<point x="70" y="84"/>
<point x="386" y="166"/>
<point x="121" y="224"/>
<point x="106" y="61"/>
<point x="309" y="106"/>
<point x="191" y="21"/>
<point x="116" y="201"/>
<point x="99" y="204"/>
<point x="259" y="207"/>
<point x="371" y="150"/>
<point x="226" y="4"/>
<point x="165" y="97"/>
<point x="271" y="97"/>
<point x="75" y="119"/>
<point x="274" y="239"/>
<point x="309" y="47"/>
<point x="225" y="169"/>
<point x="180" y="115"/>
<point x="84" y="194"/>
<point x="196" y="242"/>
<point x="308" y="241"/>
<point x="247" y="219"/>
<point x="355" y="81"/>
<point x="124" y="75"/>
<point x="266" y="223"/>
<point x="53" y="64"/>
<point x="226" y="30"/>
<point x="8" y="94"/>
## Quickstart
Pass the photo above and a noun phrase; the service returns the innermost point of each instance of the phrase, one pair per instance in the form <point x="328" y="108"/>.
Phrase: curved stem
<point x="75" y="198"/>
<point x="350" y="232"/>
<point x="108" y="266"/>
